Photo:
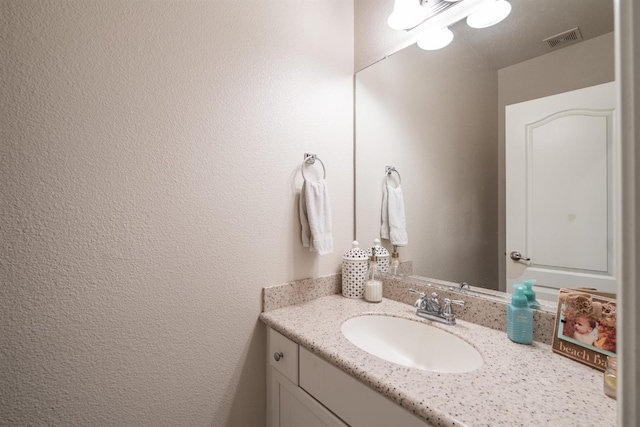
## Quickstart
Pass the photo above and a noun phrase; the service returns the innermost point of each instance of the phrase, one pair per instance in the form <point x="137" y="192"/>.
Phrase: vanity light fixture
<point x="489" y="14"/>
<point x="428" y="21"/>
<point x="408" y="14"/>
<point x="436" y="39"/>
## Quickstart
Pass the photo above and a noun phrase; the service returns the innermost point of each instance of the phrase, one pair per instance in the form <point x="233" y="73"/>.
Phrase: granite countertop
<point x="518" y="385"/>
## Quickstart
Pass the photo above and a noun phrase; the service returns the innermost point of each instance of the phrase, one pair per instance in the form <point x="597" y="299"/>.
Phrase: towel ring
<point x="388" y="170"/>
<point x="310" y="159"/>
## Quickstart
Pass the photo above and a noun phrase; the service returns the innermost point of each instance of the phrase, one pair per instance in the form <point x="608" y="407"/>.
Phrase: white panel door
<point x="561" y="190"/>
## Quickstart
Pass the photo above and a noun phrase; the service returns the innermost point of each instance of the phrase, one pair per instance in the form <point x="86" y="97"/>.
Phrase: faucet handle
<point x="420" y="302"/>
<point x="447" y="311"/>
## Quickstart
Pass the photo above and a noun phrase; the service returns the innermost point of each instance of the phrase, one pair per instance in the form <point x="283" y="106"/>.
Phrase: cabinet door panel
<point x="348" y="398"/>
<point x="293" y="413"/>
<point x="287" y="404"/>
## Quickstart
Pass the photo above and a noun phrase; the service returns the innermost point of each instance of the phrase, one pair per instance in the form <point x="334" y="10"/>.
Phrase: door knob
<point x="517" y="256"/>
<point x="278" y="355"/>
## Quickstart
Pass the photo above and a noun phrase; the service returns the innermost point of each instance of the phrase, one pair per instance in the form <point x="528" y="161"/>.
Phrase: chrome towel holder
<point x="310" y="159"/>
<point x="388" y="170"/>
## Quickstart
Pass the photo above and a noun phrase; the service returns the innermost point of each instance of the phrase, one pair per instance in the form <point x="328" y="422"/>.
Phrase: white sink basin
<point x="412" y="344"/>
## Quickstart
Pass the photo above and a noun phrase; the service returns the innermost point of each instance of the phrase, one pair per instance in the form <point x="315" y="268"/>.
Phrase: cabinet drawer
<point x="288" y="363"/>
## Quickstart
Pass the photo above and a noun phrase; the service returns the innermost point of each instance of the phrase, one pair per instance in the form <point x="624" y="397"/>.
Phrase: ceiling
<point x="519" y="37"/>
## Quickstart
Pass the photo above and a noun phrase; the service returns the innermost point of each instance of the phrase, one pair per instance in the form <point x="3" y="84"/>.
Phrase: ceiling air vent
<point x="563" y="39"/>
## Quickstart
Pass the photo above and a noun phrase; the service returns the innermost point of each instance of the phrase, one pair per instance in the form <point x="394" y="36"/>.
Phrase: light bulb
<point x="434" y="40"/>
<point x="490" y="14"/>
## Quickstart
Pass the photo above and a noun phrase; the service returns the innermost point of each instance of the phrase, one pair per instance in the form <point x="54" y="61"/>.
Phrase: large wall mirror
<point x="438" y="117"/>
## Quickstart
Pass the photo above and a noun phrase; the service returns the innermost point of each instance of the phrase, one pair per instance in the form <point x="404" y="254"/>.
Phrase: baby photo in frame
<point x="585" y="328"/>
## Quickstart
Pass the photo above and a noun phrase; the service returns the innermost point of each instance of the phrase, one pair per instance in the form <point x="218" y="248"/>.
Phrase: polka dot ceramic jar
<point x="355" y="263"/>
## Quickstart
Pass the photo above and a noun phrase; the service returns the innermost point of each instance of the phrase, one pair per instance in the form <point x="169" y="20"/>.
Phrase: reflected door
<point x="561" y="191"/>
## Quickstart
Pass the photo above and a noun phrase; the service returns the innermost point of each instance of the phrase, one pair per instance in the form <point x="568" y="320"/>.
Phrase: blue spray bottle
<point x="519" y="317"/>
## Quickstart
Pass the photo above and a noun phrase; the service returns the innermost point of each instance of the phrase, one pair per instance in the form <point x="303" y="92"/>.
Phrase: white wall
<point x="149" y="164"/>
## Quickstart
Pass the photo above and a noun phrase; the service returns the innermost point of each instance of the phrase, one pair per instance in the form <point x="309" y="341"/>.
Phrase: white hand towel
<point x="304" y="220"/>
<point x="384" y="229"/>
<point x="315" y="212"/>
<point x="394" y="225"/>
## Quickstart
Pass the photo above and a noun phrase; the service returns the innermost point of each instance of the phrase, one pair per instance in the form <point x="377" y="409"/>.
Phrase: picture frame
<point x="585" y="326"/>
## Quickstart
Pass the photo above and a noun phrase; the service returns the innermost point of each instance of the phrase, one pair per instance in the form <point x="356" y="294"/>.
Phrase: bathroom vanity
<point x="322" y="379"/>
<point x="301" y="386"/>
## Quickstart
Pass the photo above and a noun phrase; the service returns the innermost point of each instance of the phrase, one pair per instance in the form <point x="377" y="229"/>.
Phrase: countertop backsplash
<point x="299" y="291"/>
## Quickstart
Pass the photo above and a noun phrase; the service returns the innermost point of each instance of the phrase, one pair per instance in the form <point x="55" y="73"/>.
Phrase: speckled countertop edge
<point x="517" y="385"/>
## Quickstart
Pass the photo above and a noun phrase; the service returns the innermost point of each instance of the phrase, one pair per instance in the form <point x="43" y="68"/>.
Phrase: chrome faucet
<point x="429" y="307"/>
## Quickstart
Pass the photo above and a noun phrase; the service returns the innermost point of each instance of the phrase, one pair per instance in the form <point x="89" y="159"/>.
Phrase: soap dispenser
<point x="394" y="267"/>
<point x="530" y="293"/>
<point x="382" y="254"/>
<point x="519" y="317"/>
<point x="373" y="287"/>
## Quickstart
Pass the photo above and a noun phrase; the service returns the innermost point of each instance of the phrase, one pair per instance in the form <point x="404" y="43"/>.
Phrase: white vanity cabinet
<point x="305" y="391"/>
<point x="287" y="404"/>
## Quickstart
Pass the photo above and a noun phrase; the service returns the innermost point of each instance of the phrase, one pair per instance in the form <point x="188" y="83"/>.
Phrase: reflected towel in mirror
<point x="394" y="225"/>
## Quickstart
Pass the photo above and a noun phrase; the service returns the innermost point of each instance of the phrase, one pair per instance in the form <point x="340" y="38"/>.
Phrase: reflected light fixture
<point x="490" y="14"/>
<point x="436" y="39"/>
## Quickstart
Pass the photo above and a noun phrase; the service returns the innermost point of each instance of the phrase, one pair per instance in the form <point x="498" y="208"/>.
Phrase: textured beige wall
<point x="149" y="155"/>
<point x="583" y="64"/>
